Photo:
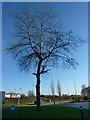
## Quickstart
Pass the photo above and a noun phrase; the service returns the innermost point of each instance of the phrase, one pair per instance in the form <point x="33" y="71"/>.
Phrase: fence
<point x="21" y="100"/>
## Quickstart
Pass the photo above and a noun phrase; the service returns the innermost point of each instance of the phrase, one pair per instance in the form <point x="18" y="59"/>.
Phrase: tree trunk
<point x="38" y="86"/>
<point x="38" y="93"/>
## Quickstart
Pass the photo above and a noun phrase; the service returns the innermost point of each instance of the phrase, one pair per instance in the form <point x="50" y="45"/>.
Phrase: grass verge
<point x="46" y="112"/>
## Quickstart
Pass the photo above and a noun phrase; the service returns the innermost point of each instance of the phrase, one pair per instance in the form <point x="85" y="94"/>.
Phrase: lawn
<point x="46" y="112"/>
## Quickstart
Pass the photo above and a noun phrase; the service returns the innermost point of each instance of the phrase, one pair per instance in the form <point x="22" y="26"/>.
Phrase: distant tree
<point x="30" y="93"/>
<point x="42" y="95"/>
<point x="59" y="89"/>
<point x="41" y="42"/>
<point x="23" y="95"/>
<point x="83" y="86"/>
<point x="83" y="90"/>
<point x="53" y="90"/>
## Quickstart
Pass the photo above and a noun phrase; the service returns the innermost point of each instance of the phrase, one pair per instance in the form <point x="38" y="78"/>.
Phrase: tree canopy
<point x="41" y="38"/>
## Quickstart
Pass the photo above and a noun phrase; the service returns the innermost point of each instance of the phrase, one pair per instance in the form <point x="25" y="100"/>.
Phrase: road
<point x="85" y="105"/>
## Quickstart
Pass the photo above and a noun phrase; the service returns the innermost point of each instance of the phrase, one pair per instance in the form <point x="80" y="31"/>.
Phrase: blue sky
<point x="1" y="46"/>
<point x="75" y="17"/>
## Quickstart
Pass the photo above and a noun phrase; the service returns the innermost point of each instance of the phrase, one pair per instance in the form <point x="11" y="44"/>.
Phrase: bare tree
<point x="41" y="43"/>
<point x="59" y="89"/>
<point x="30" y="93"/>
<point x="83" y="90"/>
<point x="83" y="86"/>
<point x="53" y="90"/>
<point x="23" y="95"/>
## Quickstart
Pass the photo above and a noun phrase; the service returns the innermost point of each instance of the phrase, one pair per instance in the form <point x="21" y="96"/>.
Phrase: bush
<point x="85" y="98"/>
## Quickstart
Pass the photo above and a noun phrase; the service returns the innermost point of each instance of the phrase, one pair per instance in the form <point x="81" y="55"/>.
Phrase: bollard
<point x="54" y="103"/>
<point x="82" y="115"/>
<point x="12" y="109"/>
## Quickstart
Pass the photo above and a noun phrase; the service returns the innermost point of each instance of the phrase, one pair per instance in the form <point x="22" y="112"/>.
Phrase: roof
<point x="13" y="93"/>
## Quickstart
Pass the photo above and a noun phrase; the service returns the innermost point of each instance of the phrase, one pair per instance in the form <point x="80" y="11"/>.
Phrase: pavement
<point x="85" y="105"/>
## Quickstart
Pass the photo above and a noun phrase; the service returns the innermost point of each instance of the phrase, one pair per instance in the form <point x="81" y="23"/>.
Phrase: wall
<point x="2" y="97"/>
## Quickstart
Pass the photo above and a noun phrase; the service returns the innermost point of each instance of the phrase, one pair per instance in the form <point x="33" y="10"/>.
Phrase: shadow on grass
<point x="46" y="113"/>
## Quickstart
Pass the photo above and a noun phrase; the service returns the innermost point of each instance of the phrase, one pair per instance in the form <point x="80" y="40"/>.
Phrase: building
<point x="2" y="97"/>
<point x="86" y="92"/>
<point x="12" y="95"/>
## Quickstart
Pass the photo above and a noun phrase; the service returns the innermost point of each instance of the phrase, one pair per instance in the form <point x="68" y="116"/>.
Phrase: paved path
<point x="85" y="105"/>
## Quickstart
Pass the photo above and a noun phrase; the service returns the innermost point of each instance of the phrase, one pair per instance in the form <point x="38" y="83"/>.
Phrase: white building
<point x="2" y="97"/>
<point x="12" y="95"/>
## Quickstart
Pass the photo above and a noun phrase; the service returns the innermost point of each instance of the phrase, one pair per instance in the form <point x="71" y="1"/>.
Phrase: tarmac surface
<point x="85" y="105"/>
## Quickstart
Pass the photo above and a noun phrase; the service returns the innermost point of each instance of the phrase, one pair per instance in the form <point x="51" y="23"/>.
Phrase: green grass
<point x="0" y="111"/>
<point x="46" y="112"/>
<point x="9" y="104"/>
